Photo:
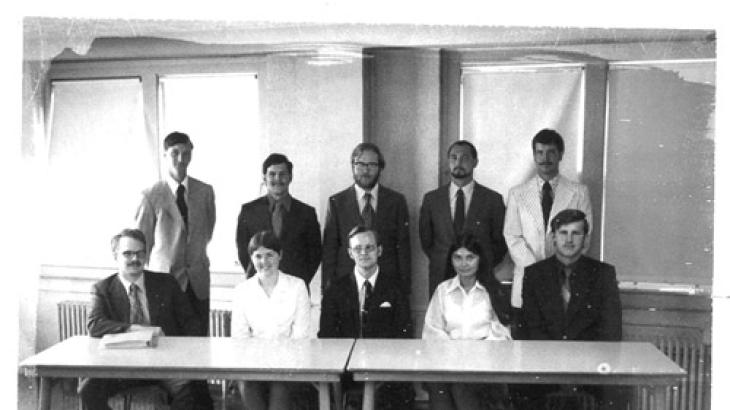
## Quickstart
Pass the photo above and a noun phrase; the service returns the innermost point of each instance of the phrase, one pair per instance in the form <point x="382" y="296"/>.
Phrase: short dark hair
<point x="276" y="159"/>
<point x="485" y="276"/>
<point x="464" y="143"/>
<point x="367" y="146"/>
<point x="358" y="229"/>
<point x="567" y="216"/>
<point x="176" y="137"/>
<point x="128" y="233"/>
<point x="547" y="136"/>
<point x="264" y="239"/>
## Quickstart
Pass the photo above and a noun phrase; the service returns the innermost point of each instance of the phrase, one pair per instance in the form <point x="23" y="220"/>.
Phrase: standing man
<point x="177" y="214"/>
<point x="293" y="222"/>
<point x="461" y="206"/>
<point x="364" y="303"/>
<point x="569" y="296"/>
<point x="530" y="207"/>
<point x="134" y="299"/>
<point x="370" y="204"/>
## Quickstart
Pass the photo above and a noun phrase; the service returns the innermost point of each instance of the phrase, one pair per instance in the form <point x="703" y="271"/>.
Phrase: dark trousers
<point x="199" y="388"/>
<point x="95" y="393"/>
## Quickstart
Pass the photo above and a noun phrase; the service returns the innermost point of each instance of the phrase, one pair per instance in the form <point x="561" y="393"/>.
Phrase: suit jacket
<point x="391" y="223"/>
<point x="172" y="247"/>
<point x="484" y="219"/>
<point x="168" y="306"/>
<point x="524" y="230"/>
<point x="594" y="310"/>
<point x="300" y="237"/>
<point x="389" y="314"/>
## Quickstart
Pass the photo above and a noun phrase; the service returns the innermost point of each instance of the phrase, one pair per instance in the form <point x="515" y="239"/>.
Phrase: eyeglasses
<point x="131" y="254"/>
<point x="364" y="249"/>
<point x="364" y="165"/>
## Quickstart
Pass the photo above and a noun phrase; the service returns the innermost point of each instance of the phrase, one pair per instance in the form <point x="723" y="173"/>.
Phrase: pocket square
<point x="385" y="304"/>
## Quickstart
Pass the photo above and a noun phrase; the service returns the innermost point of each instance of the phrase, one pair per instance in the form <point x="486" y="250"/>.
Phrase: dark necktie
<point x="565" y="286"/>
<point x="459" y="212"/>
<point x="136" y="314"/>
<point x="367" y="290"/>
<point x="181" y="205"/>
<point x="277" y="218"/>
<point x="547" y="203"/>
<point x="367" y="211"/>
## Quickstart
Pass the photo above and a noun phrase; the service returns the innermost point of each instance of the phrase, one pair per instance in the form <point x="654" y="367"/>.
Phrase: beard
<point x="366" y="181"/>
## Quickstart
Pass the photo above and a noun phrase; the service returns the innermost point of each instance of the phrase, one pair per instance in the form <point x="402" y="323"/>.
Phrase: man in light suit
<point x="177" y="214"/>
<point x="367" y="303"/>
<point x="461" y="206"/>
<point x="292" y="221"/>
<point x="134" y="299"/>
<point x="371" y="204"/>
<point x="531" y="205"/>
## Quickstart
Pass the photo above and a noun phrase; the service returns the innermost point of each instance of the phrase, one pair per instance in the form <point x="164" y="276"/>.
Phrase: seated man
<point x="368" y="303"/>
<point x="134" y="299"/>
<point x="570" y="296"/>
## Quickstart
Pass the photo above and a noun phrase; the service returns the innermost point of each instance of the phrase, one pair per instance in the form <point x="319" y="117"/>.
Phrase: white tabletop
<point x="197" y="358"/>
<point x="512" y="362"/>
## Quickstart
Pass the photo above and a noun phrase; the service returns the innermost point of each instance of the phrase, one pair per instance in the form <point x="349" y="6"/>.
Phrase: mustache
<point x="135" y="264"/>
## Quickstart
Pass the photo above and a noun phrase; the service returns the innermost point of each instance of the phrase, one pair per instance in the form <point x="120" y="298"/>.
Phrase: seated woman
<point x="269" y="305"/>
<point x="469" y="305"/>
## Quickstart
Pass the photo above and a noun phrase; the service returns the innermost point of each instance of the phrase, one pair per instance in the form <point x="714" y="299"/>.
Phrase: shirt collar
<point x="467" y="189"/>
<point x="285" y="200"/>
<point x="359" y="192"/>
<point x="455" y="284"/>
<point x="361" y="280"/>
<point x="139" y="282"/>
<point x="174" y="184"/>
<point x="553" y="182"/>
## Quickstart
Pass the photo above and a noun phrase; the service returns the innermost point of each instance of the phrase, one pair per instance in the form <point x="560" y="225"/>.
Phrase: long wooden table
<point x="465" y="361"/>
<point x="320" y="361"/>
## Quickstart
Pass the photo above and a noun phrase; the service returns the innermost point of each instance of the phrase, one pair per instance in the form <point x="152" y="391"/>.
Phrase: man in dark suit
<point x="370" y="204"/>
<point x="292" y="221"/>
<point x="134" y="299"/>
<point x="570" y="296"/>
<point x="461" y="206"/>
<point x="177" y="216"/>
<point x="366" y="303"/>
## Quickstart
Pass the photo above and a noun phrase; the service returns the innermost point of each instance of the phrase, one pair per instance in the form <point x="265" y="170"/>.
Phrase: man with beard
<point x="374" y="206"/>
<point x="135" y="299"/>
<point x="461" y="206"/>
<point x="293" y="222"/>
<point x="531" y="205"/>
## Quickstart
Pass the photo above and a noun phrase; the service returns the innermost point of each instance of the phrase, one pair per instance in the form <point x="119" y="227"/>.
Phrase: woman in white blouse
<point x="469" y="305"/>
<point x="269" y="305"/>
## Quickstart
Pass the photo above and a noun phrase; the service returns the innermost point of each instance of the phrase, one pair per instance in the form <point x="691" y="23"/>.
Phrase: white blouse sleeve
<point x="300" y="326"/>
<point x="434" y="324"/>
<point x="239" y="322"/>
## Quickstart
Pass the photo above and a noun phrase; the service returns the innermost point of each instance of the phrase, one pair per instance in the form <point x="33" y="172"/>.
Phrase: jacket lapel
<point x="353" y="300"/>
<point x="442" y="207"/>
<point x="582" y="276"/>
<point x="563" y="196"/>
<point x="120" y="298"/>
<point x="531" y="199"/>
<point x="153" y="298"/>
<point x="171" y="200"/>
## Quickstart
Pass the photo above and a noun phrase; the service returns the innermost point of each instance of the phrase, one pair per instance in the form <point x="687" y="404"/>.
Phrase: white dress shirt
<point x="360" y="195"/>
<point x="360" y="280"/>
<point x="454" y="313"/>
<point x="141" y="293"/>
<point x="174" y="185"/>
<point x="468" y="190"/>
<point x="284" y="314"/>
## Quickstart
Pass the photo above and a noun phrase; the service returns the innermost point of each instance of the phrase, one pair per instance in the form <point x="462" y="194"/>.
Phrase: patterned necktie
<point x="547" y="203"/>
<point x="367" y="211"/>
<point x="277" y="218"/>
<point x="459" y="212"/>
<point x="565" y="287"/>
<point x="136" y="314"/>
<point x="181" y="205"/>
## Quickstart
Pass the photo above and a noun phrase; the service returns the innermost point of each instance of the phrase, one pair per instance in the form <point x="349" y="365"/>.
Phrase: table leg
<point x="368" y="396"/>
<point x="44" y="399"/>
<point x="659" y="397"/>
<point x="324" y="395"/>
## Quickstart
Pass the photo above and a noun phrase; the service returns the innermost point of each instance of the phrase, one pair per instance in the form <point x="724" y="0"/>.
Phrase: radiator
<point x="694" y="357"/>
<point x="72" y="318"/>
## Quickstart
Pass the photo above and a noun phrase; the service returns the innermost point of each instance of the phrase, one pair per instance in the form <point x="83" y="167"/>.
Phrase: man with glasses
<point x="367" y="304"/>
<point x="374" y="206"/>
<point x="135" y="299"/>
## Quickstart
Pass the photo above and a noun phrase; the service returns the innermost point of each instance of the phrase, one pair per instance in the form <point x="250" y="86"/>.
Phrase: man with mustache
<point x="367" y="203"/>
<point x="134" y="299"/>
<point x="293" y="222"/>
<point x="531" y="205"/>
<point x="461" y="206"/>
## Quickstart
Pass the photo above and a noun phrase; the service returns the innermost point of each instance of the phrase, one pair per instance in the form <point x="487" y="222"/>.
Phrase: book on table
<point x="130" y="340"/>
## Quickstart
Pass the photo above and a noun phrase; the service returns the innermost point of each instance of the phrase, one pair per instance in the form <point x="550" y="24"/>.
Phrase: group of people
<point x="557" y="292"/>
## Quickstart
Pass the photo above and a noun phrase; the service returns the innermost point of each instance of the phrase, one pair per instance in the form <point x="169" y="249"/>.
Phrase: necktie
<point x="367" y="292"/>
<point x="181" y="205"/>
<point x="547" y="203"/>
<point x="367" y="211"/>
<point x="277" y="218"/>
<point x="136" y="314"/>
<point x="565" y="287"/>
<point x="459" y="212"/>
